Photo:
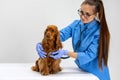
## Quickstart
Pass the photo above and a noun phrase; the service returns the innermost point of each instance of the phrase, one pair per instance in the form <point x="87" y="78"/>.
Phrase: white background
<point x="22" y="25"/>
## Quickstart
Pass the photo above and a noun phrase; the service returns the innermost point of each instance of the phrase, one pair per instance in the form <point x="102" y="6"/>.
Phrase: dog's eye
<point x="52" y="30"/>
<point x="46" y="29"/>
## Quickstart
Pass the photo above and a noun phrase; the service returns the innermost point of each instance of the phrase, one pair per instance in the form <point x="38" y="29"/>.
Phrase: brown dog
<point x="50" y="43"/>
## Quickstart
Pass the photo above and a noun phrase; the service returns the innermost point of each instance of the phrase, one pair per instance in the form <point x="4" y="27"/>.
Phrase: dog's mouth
<point x="48" y="36"/>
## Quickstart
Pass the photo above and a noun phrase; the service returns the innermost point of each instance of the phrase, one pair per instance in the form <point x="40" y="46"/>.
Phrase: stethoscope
<point x="79" y="41"/>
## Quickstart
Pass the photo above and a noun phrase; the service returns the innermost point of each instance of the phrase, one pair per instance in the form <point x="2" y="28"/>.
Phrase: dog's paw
<point x="34" y="68"/>
<point x="60" y="69"/>
<point x="45" y="73"/>
<point x="54" y="71"/>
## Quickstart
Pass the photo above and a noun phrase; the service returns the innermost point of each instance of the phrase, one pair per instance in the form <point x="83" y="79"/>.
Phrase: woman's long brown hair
<point x="104" y="40"/>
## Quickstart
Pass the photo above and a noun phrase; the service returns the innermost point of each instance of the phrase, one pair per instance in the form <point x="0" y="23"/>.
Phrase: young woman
<point x="90" y="40"/>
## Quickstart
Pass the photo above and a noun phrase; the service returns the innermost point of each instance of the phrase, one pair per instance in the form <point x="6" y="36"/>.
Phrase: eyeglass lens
<point x="80" y="12"/>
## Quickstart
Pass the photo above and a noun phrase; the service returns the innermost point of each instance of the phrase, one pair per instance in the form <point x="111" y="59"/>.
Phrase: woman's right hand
<point x="40" y="51"/>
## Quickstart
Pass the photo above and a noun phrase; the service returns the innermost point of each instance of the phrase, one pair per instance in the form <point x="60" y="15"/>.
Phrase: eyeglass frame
<point x="85" y="14"/>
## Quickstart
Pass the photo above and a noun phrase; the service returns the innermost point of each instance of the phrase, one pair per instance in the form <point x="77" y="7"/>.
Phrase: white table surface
<point x="22" y="71"/>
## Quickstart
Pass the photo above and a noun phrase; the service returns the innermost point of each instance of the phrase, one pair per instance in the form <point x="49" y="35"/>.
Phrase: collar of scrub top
<point x="85" y="25"/>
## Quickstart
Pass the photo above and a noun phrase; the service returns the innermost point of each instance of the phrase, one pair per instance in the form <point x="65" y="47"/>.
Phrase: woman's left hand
<point x="58" y="54"/>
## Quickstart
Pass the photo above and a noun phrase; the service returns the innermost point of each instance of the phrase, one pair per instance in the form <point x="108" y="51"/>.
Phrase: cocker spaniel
<point x="50" y="43"/>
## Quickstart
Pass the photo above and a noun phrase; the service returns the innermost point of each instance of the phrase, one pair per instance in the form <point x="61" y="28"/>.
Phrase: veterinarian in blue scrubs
<point x="90" y="40"/>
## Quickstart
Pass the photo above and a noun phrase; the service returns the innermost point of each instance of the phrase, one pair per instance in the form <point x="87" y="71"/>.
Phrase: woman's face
<point x="87" y="13"/>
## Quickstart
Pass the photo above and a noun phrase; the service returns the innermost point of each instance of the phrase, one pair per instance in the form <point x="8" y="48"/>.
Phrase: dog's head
<point x="52" y="34"/>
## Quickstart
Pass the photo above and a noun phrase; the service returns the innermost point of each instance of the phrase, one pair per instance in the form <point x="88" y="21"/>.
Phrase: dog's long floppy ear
<point x="44" y="41"/>
<point x="58" y="41"/>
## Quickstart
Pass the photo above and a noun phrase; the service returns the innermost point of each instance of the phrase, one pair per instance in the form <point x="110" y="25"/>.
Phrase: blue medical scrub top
<point x="85" y="39"/>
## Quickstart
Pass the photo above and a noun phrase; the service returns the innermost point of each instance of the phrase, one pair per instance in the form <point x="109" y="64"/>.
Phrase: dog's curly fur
<point x="50" y="43"/>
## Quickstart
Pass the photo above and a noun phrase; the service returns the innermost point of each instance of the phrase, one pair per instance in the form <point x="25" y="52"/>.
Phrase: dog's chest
<point x="48" y="50"/>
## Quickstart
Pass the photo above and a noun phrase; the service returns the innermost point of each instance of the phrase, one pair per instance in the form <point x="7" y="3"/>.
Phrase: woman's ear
<point x="97" y="17"/>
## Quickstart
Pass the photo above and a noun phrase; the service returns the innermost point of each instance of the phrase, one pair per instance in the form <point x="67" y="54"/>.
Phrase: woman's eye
<point x="88" y="14"/>
<point x="82" y="12"/>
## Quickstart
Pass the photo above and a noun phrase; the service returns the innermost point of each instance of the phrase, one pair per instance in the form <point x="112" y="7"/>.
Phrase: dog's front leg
<point x="43" y="66"/>
<point x="56" y="66"/>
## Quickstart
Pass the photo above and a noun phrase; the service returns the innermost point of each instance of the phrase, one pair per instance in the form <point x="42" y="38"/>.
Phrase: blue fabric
<point x="85" y="39"/>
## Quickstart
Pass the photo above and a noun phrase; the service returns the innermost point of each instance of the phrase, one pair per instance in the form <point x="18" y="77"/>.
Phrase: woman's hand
<point x="40" y="51"/>
<point x="58" y="54"/>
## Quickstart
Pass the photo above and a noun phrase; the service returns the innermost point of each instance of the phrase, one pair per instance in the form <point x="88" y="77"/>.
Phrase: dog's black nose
<point x="47" y="36"/>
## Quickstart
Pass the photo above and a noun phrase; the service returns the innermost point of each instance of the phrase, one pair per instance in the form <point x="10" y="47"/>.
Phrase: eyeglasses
<point x="85" y="14"/>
